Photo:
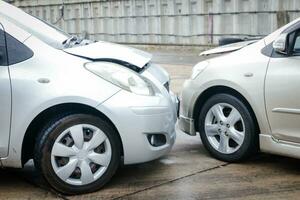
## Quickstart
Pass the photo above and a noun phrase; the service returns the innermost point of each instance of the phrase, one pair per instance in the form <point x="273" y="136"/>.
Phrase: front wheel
<point x="77" y="153"/>
<point x="227" y="128"/>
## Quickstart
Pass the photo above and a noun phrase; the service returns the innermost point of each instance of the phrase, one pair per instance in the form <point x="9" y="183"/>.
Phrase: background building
<point x="164" y="22"/>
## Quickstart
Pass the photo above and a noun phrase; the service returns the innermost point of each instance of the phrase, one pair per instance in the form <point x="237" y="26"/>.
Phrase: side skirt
<point x="271" y="145"/>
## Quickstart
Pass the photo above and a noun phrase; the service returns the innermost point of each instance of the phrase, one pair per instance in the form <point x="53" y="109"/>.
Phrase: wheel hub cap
<point x="81" y="154"/>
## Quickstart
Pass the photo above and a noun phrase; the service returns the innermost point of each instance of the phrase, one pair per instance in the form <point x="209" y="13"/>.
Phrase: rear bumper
<point x="186" y="125"/>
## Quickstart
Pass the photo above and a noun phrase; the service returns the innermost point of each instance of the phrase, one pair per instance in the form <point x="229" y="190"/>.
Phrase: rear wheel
<point x="227" y="129"/>
<point x="77" y="153"/>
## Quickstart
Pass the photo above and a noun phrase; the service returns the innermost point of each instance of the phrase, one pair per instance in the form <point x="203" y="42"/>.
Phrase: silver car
<point x="79" y="108"/>
<point x="247" y="100"/>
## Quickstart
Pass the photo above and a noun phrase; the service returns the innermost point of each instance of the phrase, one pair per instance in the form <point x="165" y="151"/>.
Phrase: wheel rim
<point x="81" y="154"/>
<point x="224" y="128"/>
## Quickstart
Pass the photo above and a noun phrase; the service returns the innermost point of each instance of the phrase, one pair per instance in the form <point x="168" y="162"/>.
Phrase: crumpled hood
<point x="114" y="52"/>
<point x="228" y="48"/>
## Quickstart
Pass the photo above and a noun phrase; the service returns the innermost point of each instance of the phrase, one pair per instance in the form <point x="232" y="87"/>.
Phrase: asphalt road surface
<point x="187" y="172"/>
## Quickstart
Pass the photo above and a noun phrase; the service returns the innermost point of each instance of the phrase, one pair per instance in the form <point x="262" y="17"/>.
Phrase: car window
<point x="12" y="51"/>
<point x="3" y="57"/>
<point x="16" y="50"/>
<point x="297" y="44"/>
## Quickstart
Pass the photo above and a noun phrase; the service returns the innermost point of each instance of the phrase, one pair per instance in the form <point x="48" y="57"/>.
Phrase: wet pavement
<point x="187" y="172"/>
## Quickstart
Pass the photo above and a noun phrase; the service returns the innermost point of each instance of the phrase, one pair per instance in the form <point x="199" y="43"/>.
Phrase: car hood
<point x="228" y="48"/>
<point x="105" y="51"/>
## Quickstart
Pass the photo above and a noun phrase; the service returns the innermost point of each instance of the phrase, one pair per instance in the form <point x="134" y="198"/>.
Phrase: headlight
<point x="121" y="76"/>
<point x="199" y="68"/>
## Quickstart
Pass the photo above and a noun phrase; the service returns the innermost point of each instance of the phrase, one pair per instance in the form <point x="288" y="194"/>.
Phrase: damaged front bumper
<point x="187" y="125"/>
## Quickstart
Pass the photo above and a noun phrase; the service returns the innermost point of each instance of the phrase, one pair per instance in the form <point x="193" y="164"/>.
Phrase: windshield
<point x="34" y="26"/>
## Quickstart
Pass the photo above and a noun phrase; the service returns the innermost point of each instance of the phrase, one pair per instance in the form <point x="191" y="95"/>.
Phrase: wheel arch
<point x="209" y="92"/>
<point x="51" y="113"/>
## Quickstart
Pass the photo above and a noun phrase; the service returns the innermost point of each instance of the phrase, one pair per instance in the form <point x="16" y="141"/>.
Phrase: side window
<point x="16" y="50"/>
<point x="296" y="48"/>
<point x="3" y="57"/>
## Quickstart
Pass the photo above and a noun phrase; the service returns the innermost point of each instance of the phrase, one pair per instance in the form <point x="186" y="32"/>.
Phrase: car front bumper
<point x="138" y="118"/>
<point x="189" y="95"/>
<point x="186" y="125"/>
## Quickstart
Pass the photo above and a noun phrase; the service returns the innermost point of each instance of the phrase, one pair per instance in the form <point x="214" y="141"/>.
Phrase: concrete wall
<point x="171" y="22"/>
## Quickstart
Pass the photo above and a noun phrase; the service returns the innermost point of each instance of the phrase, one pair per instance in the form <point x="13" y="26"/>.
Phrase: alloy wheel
<point x="224" y="128"/>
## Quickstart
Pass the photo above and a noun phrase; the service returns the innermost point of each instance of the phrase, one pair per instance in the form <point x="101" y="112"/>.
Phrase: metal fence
<point x="164" y="22"/>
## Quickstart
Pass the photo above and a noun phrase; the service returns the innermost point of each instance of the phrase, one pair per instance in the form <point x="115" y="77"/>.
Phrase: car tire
<point x="88" y="175"/>
<point x="227" y="129"/>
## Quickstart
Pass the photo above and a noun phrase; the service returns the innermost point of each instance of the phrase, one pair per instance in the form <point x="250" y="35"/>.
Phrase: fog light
<point x="157" y="140"/>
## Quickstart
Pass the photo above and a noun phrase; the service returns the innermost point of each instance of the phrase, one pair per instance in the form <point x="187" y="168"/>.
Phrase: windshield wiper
<point x="67" y="43"/>
<point x="74" y="40"/>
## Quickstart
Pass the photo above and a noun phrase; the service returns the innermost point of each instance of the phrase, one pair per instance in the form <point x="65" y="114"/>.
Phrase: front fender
<point x="253" y="95"/>
<point x="21" y="125"/>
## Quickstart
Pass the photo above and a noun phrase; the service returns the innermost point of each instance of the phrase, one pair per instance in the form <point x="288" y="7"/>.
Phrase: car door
<point x="282" y="92"/>
<point x="5" y="96"/>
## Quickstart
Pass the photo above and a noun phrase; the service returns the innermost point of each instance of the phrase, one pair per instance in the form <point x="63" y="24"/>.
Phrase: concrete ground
<point x="187" y="172"/>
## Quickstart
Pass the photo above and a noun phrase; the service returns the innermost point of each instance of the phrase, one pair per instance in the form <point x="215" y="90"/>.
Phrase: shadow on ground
<point x="188" y="172"/>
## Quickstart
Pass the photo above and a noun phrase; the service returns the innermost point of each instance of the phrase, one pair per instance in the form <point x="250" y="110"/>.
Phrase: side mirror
<point x="280" y="44"/>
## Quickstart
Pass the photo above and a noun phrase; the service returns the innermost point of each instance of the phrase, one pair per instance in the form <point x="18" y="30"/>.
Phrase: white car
<point x="79" y="108"/>
<point x="247" y="99"/>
